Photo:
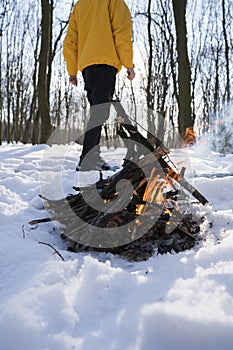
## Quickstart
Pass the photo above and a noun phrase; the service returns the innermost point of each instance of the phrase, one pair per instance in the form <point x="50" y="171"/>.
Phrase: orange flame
<point x="189" y="137"/>
<point x="171" y="175"/>
<point x="153" y="191"/>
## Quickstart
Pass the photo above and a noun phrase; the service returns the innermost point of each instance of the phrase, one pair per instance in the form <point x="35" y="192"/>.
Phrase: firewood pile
<point x="141" y="210"/>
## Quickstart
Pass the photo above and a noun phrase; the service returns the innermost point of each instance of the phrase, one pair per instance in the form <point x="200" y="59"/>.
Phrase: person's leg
<point x="100" y="85"/>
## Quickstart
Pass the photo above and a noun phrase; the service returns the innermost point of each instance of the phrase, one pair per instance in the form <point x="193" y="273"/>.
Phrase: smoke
<point x="220" y="135"/>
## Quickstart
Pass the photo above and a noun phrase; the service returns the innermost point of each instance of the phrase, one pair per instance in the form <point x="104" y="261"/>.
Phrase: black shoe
<point x="94" y="162"/>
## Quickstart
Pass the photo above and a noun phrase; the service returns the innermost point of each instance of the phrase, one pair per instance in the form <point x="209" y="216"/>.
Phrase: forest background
<point x="183" y="61"/>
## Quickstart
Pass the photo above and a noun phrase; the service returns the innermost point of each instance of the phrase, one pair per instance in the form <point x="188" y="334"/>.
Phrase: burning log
<point x="135" y="211"/>
<point x="136" y="136"/>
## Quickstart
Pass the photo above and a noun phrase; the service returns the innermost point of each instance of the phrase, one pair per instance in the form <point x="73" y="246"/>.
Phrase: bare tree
<point x="1" y="28"/>
<point x="184" y="70"/>
<point x="150" y="79"/>
<point x="227" y="48"/>
<point x="42" y="87"/>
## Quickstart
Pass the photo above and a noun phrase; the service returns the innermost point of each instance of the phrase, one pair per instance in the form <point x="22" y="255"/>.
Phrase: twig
<point x="38" y="221"/>
<point x="23" y="231"/>
<point x="55" y="250"/>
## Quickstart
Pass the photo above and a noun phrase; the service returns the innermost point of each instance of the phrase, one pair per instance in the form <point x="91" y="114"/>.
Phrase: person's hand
<point x="73" y="80"/>
<point x="130" y="73"/>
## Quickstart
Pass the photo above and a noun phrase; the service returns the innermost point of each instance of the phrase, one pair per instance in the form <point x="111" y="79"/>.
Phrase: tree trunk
<point x="150" y="80"/>
<point x="184" y="72"/>
<point x="224" y="25"/>
<point x="216" y="85"/>
<point x="1" y="85"/>
<point x="43" y="105"/>
<point x="9" y="81"/>
<point x="50" y="51"/>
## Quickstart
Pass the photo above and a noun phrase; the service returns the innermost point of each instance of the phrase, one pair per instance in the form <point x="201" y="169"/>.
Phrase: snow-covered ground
<point x="100" y="301"/>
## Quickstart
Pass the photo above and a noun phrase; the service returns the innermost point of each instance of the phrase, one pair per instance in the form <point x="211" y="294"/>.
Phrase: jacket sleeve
<point x="122" y="31"/>
<point x="70" y="47"/>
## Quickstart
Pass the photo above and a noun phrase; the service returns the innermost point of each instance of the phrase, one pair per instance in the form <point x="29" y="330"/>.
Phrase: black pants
<point x="100" y="83"/>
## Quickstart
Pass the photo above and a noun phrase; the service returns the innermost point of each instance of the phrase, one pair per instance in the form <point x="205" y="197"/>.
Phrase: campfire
<point x="140" y="210"/>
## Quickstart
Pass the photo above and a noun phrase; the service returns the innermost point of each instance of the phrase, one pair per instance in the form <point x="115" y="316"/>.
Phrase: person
<point x="98" y="43"/>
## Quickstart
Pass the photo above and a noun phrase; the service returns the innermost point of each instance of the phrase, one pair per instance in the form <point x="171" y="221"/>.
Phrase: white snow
<point x="100" y="301"/>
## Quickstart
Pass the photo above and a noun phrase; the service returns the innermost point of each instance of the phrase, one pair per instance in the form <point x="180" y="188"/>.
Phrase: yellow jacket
<point x="99" y="32"/>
